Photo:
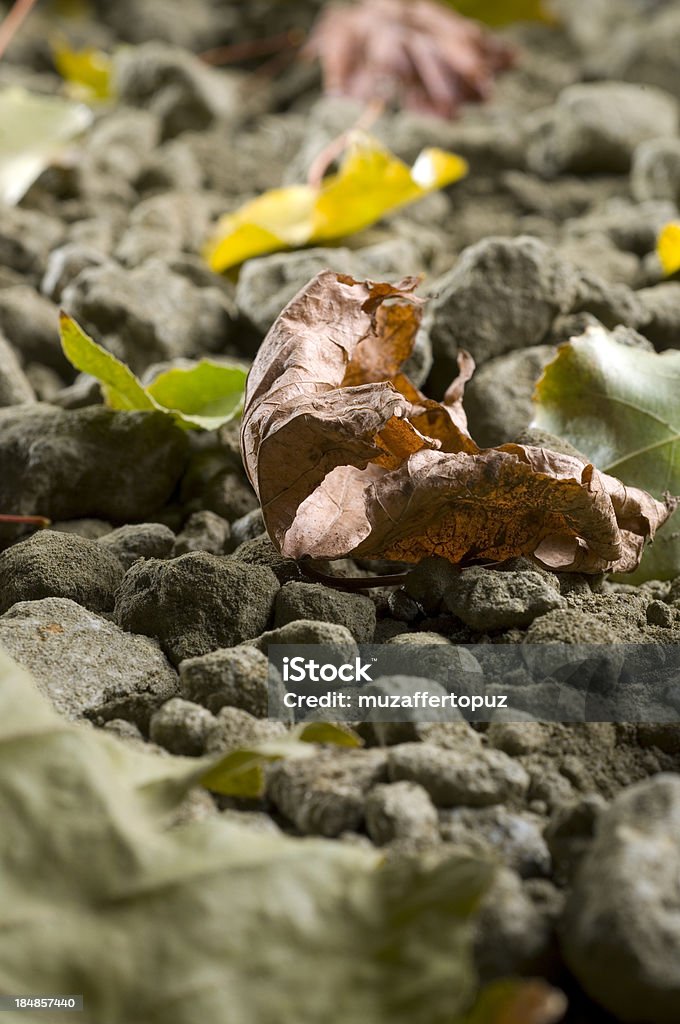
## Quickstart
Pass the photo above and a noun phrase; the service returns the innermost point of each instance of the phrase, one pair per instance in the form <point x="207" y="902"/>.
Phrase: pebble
<point x="400" y="810"/>
<point x="181" y="727"/>
<point x="233" y="676"/>
<point x="486" y="599"/>
<point x="203" y="531"/>
<point x="296" y="601"/>
<point x="466" y="778"/>
<point x="139" y="540"/>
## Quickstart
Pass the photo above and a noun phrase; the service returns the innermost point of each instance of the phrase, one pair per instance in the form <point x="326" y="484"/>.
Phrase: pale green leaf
<point x="206" y="921"/>
<point x="619" y="406"/>
<point x="33" y="131"/>
<point x="202" y="395"/>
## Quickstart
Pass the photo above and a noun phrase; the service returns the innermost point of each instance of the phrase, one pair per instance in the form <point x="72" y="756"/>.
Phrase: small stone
<point x="403" y="608"/>
<point x="570" y="626"/>
<point x="261" y="551"/>
<point x="517" y="738"/>
<point x="472" y="778"/>
<point x="52" y="564"/>
<point x="570" y="833"/>
<point x="247" y="527"/>
<point x="428" y="582"/>
<point x="233" y="728"/>
<point x="15" y="386"/>
<point x="595" y="127"/>
<point x="662" y="310"/>
<point x="196" y="603"/>
<point x="655" y="173"/>
<point x="400" y="810"/>
<point x="88" y="462"/>
<point x="498" y="399"/>
<point x="183" y="91"/>
<point x="181" y="727"/>
<point x="64" y="265"/>
<point x="233" y="676"/>
<point x="309" y="631"/>
<point x="26" y="239"/>
<point x="203" y="531"/>
<point x="514" y="838"/>
<point x="486" y="599"/>
<point x="86" y="665"/>
<point x="621" y="928"/>
<point x="325" y="795"/>
<point x="660" y="614"/>
<point x="502" y="294"/>
<point x="148" y="314"/>
<point x="296" y="601"/>
<point x="127" y="731"/>
<point x="139" y="540"/>
<point x="30" y="323"/>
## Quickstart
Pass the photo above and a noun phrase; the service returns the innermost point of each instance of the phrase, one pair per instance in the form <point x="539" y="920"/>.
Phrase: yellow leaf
<point x="371" y="182"/>
<point x="503" y="12"/>
<point x="88" y="72"/>
<point x="668" y="248"/>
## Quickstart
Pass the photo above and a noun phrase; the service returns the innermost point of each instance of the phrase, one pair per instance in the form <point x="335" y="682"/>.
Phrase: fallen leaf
<point x="33" y="131"/>
<point x="668" y="248"/>
<point x="619" y="405"/>
<point x="410" y="52"/>
<point x="88" y="72"/>
<point x="503" y="12"/>
<point x="370" y="183"/>
<point x="349" y="458"/>
<point x="206" y="921"/>
<point x="518" y="1001"/>
<point x="202" y="396"/>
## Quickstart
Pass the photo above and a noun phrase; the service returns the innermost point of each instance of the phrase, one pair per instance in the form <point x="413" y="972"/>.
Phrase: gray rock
<point x="215" y="483"/>
<point x="247" y="527"/>
<point x="261" y="551"/>
<point x="172" y="166"/>
<point x="52" y="564"/>
<point x="148" y="314"/>
<point x="428" y="581"/>
<point x="570" y="833"/>
<point x="203" y="531"/>
<point x="621" y="928"/>
<point x="30" y="322"/>
<point x="498" y="399"/>
<point x="513" y="932"/>
<point x="181" y="727"/>
<point x="594" y="128"/>
<point x="514" y="838"/>
<point x="181" y="90"/>
<point x="233" y="676"/>
<point x="612" y="304"/>
<point x="139" y="540"/>
<point x="597" y="254"/>
<point x="117" y="144"/>
<point x="26" y="239"/>
<point x="196" y="603"/>
<point x="268" y="283"/>
<point x="655" y="173"/>
<point x="502" y="294"/>
<point x="468" y="778"/>
<point x="400" y="810"/>
<point x="308" y="631"/>
<point x="517" y="738"/>
<point x="165" y="225"/>
<point x="571" y="626"/>
<point x="15" y="386"/>
<point x="486" y="599"/>
<point x="63" y="266"/>
<point x="660" y="614"/>
<point x="88" y="462"/>
<point x="644" y="50"/>
<point x="84" y="664"/>
<point x="662" y="307"/>
<point x="323" y="604"/>
<point x="234" y="728"/>
<point x="92" y="529"/>
<point x="325" y="795"/>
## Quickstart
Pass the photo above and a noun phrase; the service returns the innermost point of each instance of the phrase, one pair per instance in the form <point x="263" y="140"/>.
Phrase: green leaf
<point x="202" y="396"/>
<point x="329" y="732"/>
<point x="33" y="131"/>
<point x="88" y="72"/>
<point x="619" y="406"/>
<point x="206" y="921"/>
<point x="371" y="182"/>
<point x="503" y="12"/>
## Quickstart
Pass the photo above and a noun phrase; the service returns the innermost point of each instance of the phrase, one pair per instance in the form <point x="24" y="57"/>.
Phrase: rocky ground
<point x="147" y="608"/>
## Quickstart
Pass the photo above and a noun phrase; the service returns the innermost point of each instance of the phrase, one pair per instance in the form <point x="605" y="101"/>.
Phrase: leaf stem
<point x="334" y="148"/>
<point x="237" y="52"/>
<point x="351" y="582"/>
<point x="40" y="521"/>
<point x="12" y="22"/>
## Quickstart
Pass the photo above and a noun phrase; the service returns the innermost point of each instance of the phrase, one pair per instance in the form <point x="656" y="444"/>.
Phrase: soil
<point x="157" y="553"/>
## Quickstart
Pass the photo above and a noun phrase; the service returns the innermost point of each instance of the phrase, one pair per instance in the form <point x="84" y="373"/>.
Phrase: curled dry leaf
<point x="413" y="53"/>
<point x="349" y="458"/>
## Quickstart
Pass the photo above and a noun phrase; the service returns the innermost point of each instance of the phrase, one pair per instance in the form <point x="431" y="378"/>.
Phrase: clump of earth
<point x="148" y="606"/>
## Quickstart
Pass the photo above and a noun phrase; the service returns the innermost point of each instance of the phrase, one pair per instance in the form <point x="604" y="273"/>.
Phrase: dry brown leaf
<point x="411" y="52"/>
<point x="349" y="458"/>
